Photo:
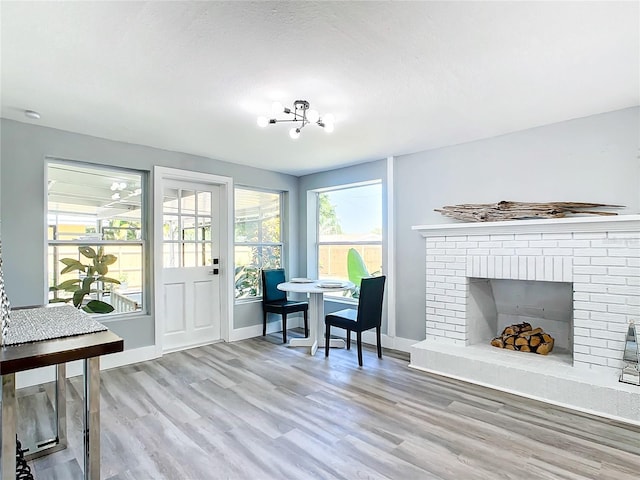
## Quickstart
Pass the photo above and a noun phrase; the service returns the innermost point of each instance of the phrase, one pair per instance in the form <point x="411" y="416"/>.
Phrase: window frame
<point x="281" y="197"/>
<point x="142" y="242"/>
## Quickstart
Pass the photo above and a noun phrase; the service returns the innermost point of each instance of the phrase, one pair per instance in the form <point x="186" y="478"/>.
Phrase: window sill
<point x="344" y="301"/>
<point x="244" y="301"/>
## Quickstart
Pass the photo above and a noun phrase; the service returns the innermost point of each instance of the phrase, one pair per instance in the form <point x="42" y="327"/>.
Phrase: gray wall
<point x="23" y="206"/>
<point x="592" y="159"/>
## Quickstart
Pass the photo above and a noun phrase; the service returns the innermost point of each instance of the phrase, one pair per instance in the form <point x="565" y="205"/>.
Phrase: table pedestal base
<point x="316" y="328"/>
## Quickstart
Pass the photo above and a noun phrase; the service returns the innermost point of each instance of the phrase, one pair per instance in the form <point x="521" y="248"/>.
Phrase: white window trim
<point x="143" y="242"/>
<point x="312" y="201"/>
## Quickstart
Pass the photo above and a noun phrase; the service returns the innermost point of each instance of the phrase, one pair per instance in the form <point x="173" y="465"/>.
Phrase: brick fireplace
<point x="597" y="259"/>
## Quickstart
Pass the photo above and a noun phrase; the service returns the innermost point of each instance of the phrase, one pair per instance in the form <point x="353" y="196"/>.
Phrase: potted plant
<point x="88" y="275"/>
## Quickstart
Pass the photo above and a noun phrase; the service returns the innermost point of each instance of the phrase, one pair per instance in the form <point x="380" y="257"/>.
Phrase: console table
<point x="57" y="351"/>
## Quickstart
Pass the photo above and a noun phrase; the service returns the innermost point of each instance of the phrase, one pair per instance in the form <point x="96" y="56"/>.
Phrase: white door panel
<point x="174" y="303"/>
<point x="203" y="313"/>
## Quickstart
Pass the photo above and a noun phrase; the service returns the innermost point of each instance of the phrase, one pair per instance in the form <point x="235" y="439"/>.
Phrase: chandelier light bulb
<point x="294" y="133"/>
<point x="263" y="122"/>
<point x="328" y="118"/>
<point x="328" y="127"/>
<point x="276" y="107"/>
<point x="313" y="116"/>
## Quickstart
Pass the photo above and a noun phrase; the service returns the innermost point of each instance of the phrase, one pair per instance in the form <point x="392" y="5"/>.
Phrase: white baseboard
<point x="187" y="347"/>
<point x="256" y="330"/>
<point x="248" y="332"/>
<point x="393" y="343"/>
<point x="39" y="376"/>
<point x="368" y="337"/>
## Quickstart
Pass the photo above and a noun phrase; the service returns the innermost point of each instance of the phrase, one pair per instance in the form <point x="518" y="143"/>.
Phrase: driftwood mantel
<point x="506" y="210"/>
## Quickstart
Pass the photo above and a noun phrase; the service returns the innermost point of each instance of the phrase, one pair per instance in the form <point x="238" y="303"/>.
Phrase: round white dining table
<point x="316" y="312"/>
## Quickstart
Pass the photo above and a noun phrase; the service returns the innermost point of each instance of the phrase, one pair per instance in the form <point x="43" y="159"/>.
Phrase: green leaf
<point x="109" y="259"/>
<point x="86" y="283"/>
<point x="69" y="283"/>
<point x="78" y="296"/>
<point x="71" y="265"/>
<point x="101" y="269"/>
<point x="108" y="280"/>
<point x="96" y="306"/>
<point x="87" y="252"/>
<point x="356" y="267"/>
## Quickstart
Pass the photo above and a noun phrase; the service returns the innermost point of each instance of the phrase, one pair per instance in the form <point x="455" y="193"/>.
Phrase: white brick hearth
<point x="600" y="256"/>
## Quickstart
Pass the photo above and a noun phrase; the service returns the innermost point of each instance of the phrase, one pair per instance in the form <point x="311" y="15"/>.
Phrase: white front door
<point x="190" y="264"/>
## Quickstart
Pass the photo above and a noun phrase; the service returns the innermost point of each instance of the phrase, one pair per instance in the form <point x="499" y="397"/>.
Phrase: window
<point x="258" y="238"/>
<point x="350" y="218"/>
<point x="96" y="237"/>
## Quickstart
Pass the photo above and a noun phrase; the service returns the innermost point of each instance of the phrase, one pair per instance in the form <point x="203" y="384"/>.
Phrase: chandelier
<point x="300" y="114"/>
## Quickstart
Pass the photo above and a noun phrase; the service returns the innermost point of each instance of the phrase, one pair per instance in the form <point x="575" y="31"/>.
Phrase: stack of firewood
<point x="523" y="338"/>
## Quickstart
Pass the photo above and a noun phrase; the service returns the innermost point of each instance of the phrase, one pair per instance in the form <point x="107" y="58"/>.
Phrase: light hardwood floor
<point x="256" y="409"/>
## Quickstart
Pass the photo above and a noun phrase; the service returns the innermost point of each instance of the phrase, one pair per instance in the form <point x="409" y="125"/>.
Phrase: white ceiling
<point x="399" y="77"/>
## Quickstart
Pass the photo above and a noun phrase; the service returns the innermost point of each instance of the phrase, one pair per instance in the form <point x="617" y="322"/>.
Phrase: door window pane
<point x="204" y="254"/>
<point x="170" y="227"/>
<point x="204" y="228"/>
<point x="170" y="200"/>
<point x="170" y="255"/>
<point x="189" y="258"/>
<point x="187" y="202"/>
<point x="204" y="203"/>
<point x="188" y="228"/>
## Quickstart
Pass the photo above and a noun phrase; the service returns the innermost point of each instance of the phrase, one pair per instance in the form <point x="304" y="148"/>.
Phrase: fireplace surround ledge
<point x="613" y="223"/>
<point x="600" y="256"/>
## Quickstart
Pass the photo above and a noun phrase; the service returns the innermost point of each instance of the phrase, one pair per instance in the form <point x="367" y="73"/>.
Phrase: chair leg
<point x="284" y="328"/>
<point x="264" y="324"/>
<point x="326" y="340"/>
<point x="348" y="339"/>
<point x="378" y="341"/>
<point x="359" y="340"/>
<point x="306" y="323"/>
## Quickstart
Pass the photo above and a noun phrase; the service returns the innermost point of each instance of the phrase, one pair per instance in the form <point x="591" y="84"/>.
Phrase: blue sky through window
<point x="359" y="209"/>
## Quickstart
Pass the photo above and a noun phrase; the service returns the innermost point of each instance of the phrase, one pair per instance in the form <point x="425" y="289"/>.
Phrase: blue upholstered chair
<point x="275" y="301"/>
<point x="368" y="315"/>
